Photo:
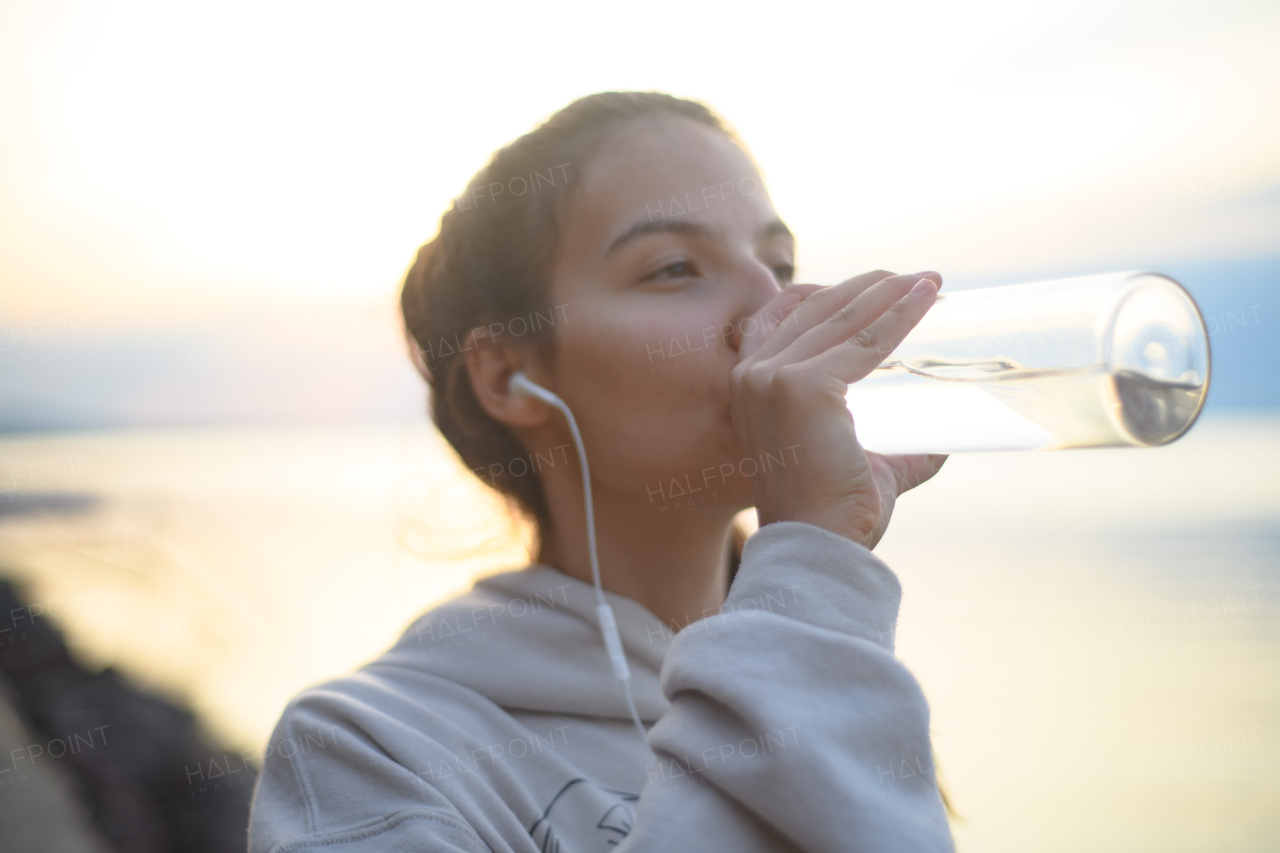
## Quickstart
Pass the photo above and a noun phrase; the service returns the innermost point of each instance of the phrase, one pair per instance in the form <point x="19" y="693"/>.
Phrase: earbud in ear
<point x="517" y="383"/>
<point x="524" y="385"/>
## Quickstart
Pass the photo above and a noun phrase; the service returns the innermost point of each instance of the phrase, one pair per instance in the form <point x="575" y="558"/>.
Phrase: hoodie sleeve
<point x="792" y="725"/>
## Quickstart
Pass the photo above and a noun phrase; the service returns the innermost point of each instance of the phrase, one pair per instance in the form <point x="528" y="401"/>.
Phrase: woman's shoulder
<point x="424" y="734"/>
<point x="350" y="762"/>
<point x="418" y="667"/>
<point x="515" y="639"/>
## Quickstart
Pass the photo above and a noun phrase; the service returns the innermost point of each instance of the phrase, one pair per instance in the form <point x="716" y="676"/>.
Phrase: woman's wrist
<point x="856" y="525"/>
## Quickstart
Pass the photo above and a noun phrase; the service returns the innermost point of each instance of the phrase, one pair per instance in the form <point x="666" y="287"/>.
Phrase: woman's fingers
<point x="757" y="328"/>
<point x="795" y="363"/>
<point x="829" y="307"/>
<point x="877" y="327"/>
<point x="912" y="469"/>
<point x="868" y="320"/>
<point x="893" y="475"/>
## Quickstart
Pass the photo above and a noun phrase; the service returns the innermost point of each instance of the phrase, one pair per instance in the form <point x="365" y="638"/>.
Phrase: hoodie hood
<point x="528" y="640"/>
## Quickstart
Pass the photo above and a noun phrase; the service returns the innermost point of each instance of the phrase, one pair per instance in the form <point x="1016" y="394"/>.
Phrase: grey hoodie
<point x="783" y="722"/>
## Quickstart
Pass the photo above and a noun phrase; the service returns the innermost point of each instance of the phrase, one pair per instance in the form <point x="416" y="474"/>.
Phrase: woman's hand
<point x="788" y="393"/>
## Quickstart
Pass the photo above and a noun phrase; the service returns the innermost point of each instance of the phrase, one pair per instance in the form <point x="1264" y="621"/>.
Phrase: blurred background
<point x="217" y="479"/>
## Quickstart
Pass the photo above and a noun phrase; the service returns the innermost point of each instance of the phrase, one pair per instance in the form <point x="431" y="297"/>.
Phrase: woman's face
<point x="669" y="244"/>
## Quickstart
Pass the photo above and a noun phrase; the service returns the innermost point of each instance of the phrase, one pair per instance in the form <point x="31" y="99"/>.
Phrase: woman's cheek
<point x="689" y="348"/>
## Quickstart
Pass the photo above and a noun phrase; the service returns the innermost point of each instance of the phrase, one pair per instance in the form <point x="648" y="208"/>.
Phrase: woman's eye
<point x="672" y="272"/>
<point x="784" y="272"/>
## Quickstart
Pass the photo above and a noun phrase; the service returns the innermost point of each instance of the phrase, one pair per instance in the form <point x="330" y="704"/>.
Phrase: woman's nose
<point x="753" y="290"/>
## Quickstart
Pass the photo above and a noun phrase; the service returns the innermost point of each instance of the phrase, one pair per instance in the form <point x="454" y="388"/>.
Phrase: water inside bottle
<point x="937" y="405"/>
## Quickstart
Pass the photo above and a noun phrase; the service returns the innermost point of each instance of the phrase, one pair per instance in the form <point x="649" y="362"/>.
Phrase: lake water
<point x="1098" y="631"/>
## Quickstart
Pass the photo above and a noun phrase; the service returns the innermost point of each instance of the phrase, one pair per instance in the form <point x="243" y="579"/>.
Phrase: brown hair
<point x="490" y="264"/>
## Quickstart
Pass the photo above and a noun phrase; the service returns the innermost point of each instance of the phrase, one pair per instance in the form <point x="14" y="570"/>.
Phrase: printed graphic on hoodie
<point x="584" y="817"/>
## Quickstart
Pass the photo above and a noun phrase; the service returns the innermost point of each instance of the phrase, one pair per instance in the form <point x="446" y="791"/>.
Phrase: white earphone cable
<point x="604" y="613"/>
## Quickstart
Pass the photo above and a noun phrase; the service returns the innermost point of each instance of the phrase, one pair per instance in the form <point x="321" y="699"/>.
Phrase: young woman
<point x="625" y="257"/>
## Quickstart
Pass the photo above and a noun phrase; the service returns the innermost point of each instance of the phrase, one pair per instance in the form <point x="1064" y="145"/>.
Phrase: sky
<point x="168" y="168"/>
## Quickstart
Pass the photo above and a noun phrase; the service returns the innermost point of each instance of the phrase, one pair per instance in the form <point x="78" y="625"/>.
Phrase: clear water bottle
<point x="1109" y="360"/>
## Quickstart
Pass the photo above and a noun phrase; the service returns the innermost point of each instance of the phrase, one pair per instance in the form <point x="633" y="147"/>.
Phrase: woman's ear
<point x="490" y="367"/>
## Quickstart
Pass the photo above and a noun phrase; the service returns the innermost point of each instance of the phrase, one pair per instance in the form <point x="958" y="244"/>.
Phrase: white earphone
<point x="604" y="613"/>
<point x="522" y="383"/>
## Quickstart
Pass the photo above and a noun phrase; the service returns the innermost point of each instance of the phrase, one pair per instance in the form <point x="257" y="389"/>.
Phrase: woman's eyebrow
<point x="686" y="227"/>
<point x="690" y="228"/>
